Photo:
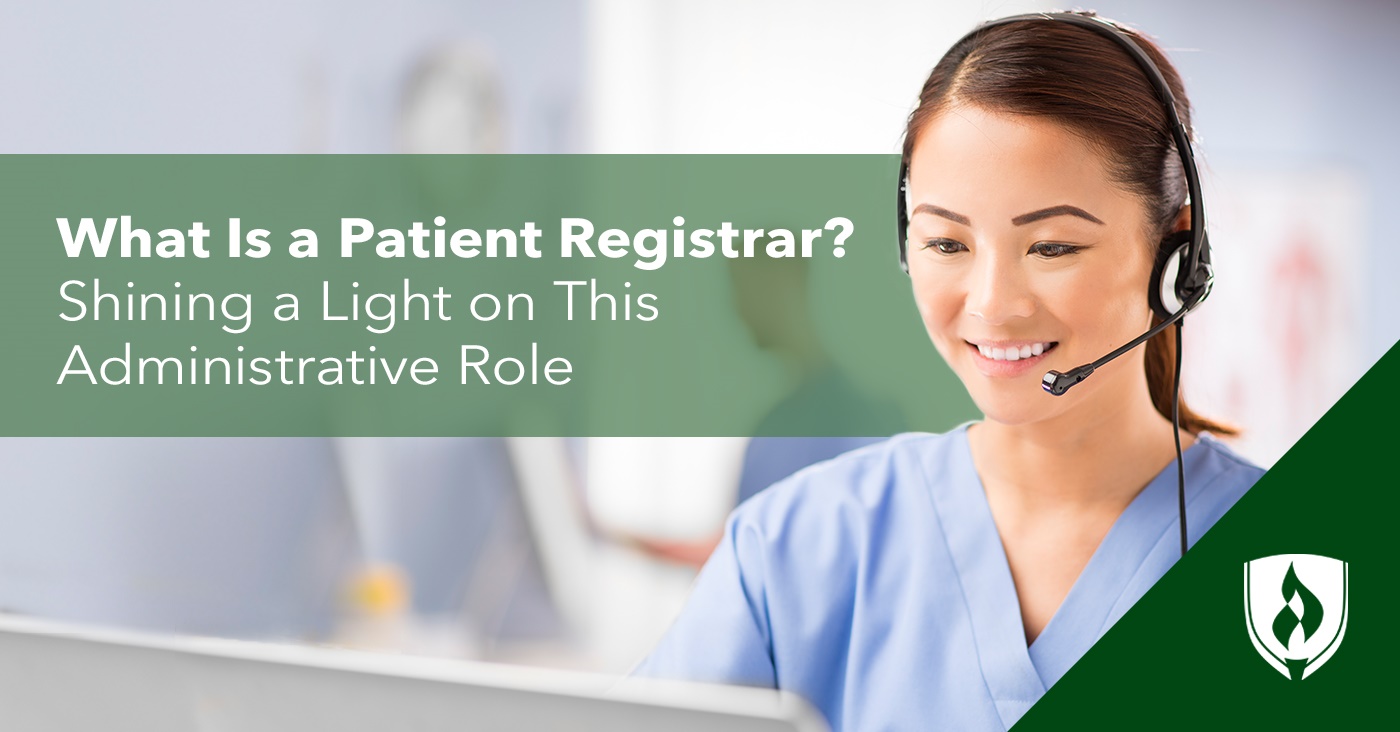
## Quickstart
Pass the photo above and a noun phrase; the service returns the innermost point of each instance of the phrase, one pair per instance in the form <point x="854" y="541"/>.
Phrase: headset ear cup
<point x="901" y="208"/>
<point x="1162" y="293"/>
<point x="1197" y="285"/>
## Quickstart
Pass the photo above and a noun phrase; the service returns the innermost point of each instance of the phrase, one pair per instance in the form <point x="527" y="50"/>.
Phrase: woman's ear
<point x="1183" y="219"/>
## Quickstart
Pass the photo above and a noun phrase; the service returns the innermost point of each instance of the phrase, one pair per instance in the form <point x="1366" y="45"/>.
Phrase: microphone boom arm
<point x="1058" y="383"/>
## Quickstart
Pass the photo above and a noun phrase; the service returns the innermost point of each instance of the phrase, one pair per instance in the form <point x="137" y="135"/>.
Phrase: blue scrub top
<point x="876" y="586"/>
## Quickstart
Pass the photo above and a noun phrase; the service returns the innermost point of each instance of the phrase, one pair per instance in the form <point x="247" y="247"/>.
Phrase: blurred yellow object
<point x="378" y="590"/>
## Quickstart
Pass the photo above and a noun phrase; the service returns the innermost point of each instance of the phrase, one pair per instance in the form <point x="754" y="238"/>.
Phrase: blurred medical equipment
<point x="451" y="565"/>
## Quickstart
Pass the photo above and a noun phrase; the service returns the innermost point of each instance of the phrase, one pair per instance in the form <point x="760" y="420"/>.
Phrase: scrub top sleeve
<point x="722" y="634"/>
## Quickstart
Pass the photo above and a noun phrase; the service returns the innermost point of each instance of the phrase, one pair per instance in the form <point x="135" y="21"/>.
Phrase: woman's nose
<point x="998" y="291"/>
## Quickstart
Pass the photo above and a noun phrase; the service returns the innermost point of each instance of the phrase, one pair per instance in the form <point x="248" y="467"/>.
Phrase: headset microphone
<point x="1058" y="383"/>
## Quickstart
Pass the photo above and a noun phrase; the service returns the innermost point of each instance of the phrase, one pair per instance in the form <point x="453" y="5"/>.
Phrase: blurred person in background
<point x="451" y="566"/>
<point x="771" y="298"/>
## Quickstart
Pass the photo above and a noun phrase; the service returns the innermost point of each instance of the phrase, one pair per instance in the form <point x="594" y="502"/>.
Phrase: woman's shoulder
<point x="898" y="473"/>
<point x="856" y="484"/>
<point x="1224" y="474"/>
<point x="1225" y="466"/>
<point x="807" y="538"/>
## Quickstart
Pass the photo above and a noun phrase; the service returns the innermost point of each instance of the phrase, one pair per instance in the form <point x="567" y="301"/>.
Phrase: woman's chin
<point x="1012" y="411"/>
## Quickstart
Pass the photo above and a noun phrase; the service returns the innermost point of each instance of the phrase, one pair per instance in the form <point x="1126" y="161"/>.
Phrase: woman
<point x="946" y="581"/>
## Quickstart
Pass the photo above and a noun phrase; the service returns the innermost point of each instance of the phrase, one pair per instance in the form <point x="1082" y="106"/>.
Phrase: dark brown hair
<point x="1093" y="87"/>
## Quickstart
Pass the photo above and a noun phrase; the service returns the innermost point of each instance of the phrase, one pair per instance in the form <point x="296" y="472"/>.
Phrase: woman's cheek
<point x="938" y="311"/>
<point x="1104" y="311"/>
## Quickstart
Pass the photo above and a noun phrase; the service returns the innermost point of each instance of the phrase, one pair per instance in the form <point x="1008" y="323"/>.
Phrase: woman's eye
<point x="945" y="246"/>
<point x="1051" y="250"/>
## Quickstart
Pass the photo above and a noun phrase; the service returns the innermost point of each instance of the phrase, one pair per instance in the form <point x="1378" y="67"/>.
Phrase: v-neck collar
<point x="1017" y="676"/>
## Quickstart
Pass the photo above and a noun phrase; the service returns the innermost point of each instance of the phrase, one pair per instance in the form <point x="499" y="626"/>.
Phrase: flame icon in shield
<point x="1295" y="608"/>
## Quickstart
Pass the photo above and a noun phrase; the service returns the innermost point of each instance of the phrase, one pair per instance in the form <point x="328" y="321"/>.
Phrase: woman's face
<point x="1025" y="257"/>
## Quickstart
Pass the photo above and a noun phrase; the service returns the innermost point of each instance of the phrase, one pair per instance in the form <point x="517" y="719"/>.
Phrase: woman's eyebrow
<point x="1046" y="213"/>
<point x="1022" y="220"/>
<point x="940" y="211"/>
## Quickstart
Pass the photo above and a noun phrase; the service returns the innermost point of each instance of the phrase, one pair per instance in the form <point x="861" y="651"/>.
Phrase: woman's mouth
<point x="1007" y="359"/>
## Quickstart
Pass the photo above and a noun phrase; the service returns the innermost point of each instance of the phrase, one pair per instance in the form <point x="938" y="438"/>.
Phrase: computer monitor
<point x="67" y="677"/>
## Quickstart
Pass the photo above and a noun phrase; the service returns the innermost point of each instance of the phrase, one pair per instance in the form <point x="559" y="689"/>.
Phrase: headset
<point x="1182" y="275"/>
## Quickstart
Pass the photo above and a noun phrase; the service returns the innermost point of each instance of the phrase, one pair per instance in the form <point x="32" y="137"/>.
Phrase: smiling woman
<point x="947" y="580"/>
<point x="1007" y="271"/>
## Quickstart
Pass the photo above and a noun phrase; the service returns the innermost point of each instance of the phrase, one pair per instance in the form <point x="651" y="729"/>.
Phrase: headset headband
<point x="1194" y="275"/>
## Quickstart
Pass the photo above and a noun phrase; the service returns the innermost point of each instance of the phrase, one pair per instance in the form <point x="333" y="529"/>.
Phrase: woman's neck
<point x="1087" y="458"/>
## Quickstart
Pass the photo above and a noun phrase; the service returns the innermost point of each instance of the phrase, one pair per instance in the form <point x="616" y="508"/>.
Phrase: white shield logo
<point x="1295" y="606"/>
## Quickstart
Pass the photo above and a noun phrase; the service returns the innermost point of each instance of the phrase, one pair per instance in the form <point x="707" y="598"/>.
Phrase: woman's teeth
<point x="1014" y="354"/>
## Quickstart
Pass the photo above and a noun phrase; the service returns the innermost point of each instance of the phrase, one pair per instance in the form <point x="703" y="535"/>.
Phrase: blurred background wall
<point x="582" y="562"/>
<point x="312" y="76"/>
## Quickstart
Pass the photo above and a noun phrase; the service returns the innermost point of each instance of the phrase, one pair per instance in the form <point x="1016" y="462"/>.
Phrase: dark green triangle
<point x="1182" y="657"/>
